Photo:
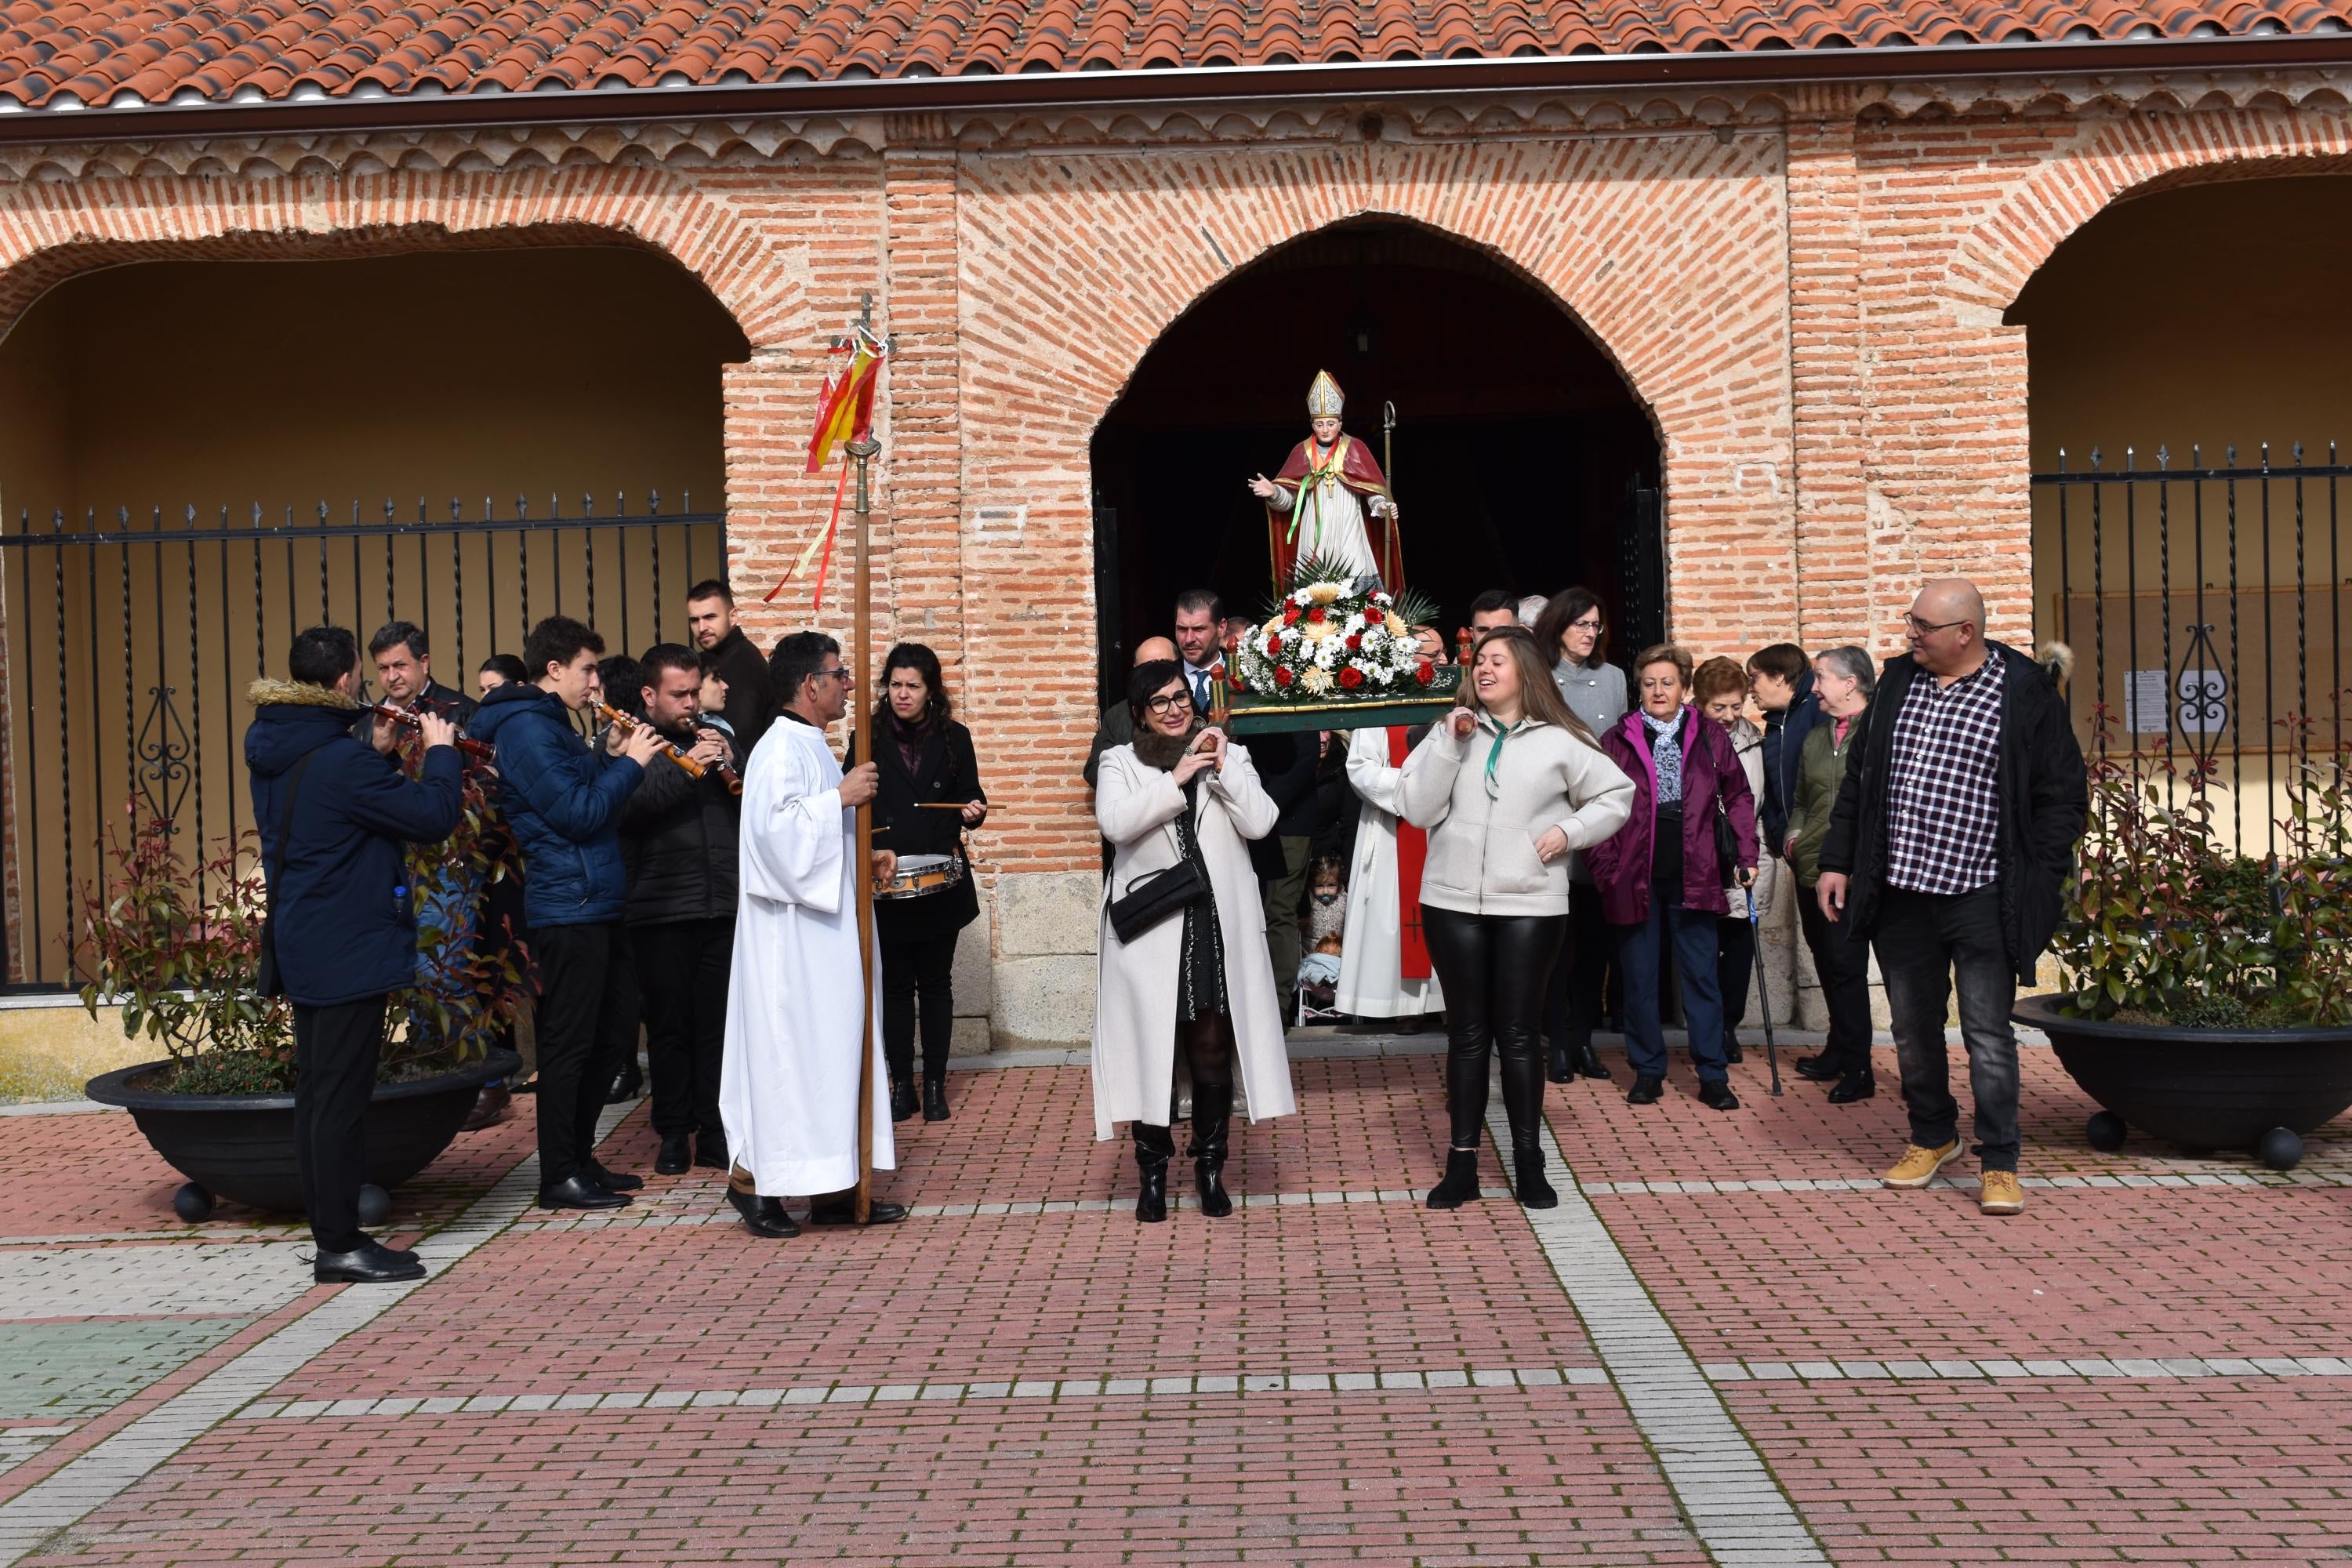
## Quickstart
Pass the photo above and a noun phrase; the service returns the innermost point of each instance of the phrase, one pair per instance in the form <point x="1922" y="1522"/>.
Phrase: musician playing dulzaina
<point x="927" y="765"/>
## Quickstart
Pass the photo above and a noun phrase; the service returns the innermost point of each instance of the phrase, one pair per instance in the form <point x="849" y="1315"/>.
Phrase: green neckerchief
<point x="1494" y="755"/>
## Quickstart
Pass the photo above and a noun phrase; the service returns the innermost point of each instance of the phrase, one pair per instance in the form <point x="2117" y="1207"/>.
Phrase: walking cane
<point x="1763" y="991"/>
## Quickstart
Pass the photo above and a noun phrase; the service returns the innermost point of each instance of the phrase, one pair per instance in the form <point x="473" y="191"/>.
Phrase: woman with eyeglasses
<point x="1662" y="882"/>
<point x="1574" y="633"/>
<point x="1178" y="802"/>
<point x="1507" y="786"/>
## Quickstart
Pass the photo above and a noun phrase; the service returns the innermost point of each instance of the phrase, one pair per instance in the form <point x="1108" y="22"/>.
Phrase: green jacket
<point x="1821" y="768"/>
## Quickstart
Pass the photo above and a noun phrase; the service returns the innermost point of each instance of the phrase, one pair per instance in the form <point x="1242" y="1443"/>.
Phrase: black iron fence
<point x="130" y="640"/>
<point x="2206" y="609"/>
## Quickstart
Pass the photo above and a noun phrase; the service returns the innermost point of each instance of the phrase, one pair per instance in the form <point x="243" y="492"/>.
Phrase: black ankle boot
<point x="1213" y="1115"/>
<point x="1561" y="1068"/>
<point x="1588" y="1061"/>
<point x="1153" y="1149"/>
<point x="902" y="1096"/>
<point x="1534" y="1192"/>
<point x="1460" y="1183"/>
<point x="935" y="1096"/>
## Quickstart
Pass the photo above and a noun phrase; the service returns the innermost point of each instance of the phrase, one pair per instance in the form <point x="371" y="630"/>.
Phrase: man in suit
<point x="404" y="670"/>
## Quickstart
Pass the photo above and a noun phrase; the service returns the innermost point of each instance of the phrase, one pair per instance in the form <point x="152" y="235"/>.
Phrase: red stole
<point x="1412" y="852"/>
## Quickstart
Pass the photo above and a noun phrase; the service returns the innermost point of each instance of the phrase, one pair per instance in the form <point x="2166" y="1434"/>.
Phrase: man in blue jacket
<point x="333" y="810"/>
<point x="562" y="803"/>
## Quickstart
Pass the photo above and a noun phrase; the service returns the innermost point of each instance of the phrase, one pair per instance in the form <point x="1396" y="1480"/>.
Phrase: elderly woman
<point x="1198" y="979"/>
<point x="1661" y="879"/>
<point x="1844" y="679"/>
<point x="1719" y="687"/>
<point x="1574" y="633"/>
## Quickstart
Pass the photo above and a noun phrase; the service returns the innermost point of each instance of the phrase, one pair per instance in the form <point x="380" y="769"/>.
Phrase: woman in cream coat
<point x="1200" y="980"/>
<point x="1508" y="786"/>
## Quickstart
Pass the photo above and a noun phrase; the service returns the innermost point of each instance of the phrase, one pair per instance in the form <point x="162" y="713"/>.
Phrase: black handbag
<point x="1151" y="897"/>
<point x="266" y="977"/>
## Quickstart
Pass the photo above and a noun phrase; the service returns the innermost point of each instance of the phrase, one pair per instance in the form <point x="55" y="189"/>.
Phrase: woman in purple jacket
<point x="1659" y="878"/>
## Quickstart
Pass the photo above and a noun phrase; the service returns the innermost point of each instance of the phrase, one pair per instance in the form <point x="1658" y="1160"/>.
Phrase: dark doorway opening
<point x="1522" y="460"/>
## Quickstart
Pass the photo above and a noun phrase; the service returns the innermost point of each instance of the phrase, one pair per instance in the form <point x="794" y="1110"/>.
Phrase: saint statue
<point x="1332" y="501"/>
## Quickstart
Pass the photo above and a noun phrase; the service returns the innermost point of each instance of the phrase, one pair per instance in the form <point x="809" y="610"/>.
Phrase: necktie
<point x="1200" y="690"/>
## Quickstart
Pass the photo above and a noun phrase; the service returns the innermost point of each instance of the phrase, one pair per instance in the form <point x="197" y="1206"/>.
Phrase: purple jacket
<point x="1620" y="864"/>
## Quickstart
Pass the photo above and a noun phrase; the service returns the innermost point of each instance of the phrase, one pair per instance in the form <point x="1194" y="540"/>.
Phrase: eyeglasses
<point x="834" y="674"/>
<point x="1919" y="628"/>
<point x="1590" y="623"/>
<point x="1166" y="703"/>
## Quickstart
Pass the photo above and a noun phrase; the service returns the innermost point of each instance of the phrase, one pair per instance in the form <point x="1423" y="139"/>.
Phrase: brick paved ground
<point x="2143" y="1368"/>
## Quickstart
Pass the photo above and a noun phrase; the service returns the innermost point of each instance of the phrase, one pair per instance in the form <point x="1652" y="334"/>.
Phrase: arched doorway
<point x="1520" y="451"/>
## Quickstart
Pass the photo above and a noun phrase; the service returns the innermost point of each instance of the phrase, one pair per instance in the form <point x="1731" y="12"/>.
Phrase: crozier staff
<point x="787" y="1087"/>
<point x="1198" y="981"/>
<point x="1507" y="786"/>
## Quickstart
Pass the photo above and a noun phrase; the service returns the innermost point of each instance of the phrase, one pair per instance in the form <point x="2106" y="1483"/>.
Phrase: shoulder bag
<point x="1151" y="897"/>
<point x="266" y="977"/>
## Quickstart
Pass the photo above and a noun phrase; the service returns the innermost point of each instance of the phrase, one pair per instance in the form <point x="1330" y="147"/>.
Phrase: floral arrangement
<point x="1324" y="639"/>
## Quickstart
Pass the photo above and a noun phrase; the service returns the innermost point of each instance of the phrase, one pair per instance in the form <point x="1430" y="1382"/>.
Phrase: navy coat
<point x="562" y="803"/>
<point x="346" y="925"/>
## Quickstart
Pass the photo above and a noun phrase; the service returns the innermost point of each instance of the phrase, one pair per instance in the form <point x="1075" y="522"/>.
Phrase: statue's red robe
<point x="1360" y="472"/>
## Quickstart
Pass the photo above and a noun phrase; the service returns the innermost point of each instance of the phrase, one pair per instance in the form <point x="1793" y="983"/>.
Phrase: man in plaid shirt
<point x="1951" y="839"/>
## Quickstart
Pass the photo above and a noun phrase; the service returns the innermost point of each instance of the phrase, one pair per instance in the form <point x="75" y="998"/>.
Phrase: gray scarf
<point x="1666" y="755"/>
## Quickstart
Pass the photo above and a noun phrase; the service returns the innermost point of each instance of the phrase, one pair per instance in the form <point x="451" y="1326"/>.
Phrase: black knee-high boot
<point x="1213" y="1115"/>
<point x="1154" y="1147"/>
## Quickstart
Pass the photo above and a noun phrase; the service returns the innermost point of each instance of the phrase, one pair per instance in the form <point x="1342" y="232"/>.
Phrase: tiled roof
<point x="117" y="53"/>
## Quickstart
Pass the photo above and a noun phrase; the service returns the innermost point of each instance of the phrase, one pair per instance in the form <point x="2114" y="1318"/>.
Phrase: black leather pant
<point x="1495" y="969"/>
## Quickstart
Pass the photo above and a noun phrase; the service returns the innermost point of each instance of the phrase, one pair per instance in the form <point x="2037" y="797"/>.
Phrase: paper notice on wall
<point x="2148" y="704"/>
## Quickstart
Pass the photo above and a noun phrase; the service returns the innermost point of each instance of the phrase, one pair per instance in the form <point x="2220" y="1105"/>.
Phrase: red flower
<point x="1425" y="672"/>
<point x="1316" y="614"/>
<point x="1355" y="641"/>
<point x="1289" y="615"/>
<point x="1282" y="676"/>
<point x="1273" y="646"/>
<point x="1351" y="677"/>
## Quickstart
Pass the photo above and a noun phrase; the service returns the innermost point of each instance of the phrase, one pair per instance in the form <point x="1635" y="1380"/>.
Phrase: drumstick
<point x="937" y="806"/>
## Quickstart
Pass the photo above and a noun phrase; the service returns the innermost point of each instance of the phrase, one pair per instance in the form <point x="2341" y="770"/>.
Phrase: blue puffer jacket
<point x="562" y="803"/>
<point x="346" y="926"/>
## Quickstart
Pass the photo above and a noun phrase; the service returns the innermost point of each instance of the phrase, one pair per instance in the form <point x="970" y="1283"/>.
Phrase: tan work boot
<point x="1918" y="1166"/>
<point x="2001" y="1193"/>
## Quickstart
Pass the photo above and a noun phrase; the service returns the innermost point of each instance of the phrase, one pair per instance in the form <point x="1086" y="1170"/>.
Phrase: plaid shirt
<point x="1943" y="812"/>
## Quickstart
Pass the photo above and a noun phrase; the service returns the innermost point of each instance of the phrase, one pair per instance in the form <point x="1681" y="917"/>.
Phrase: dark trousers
<point x="1641" y="954"/>
<point x="1578" y="995"/>
<point x="682" y="969"/>
<point x="1926" y="942"/>
<point x="335" y="1054"/>
<point x="587" y="1029"/>
<point x="1283" y="896"/>
<point x="1735" y="966"/>
<point x="1495" y="969"/>
<point x="918" y="975"/>
<point x="1842" y="960"/>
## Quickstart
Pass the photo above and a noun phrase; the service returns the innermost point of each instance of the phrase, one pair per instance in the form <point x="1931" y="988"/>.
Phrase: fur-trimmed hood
<point x="291" y="720"/>
<point x="269" y="690"/>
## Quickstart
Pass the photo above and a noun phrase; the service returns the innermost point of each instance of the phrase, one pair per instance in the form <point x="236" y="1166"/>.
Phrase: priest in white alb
<point x="1384" y="968"/>
<point x="788" y="1088"/>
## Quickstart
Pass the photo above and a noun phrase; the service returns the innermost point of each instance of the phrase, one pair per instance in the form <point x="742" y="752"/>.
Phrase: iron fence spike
<point x="192" y="514"/>
<point x="2164" y="457"/>
<point x="652" y="503"/>
<point x="2298" y="450"/>
<point x="387" y="508"/>
<point x="522" y="507"/>
<point x="587" y="504"/>
<point x="2266" y="457"/>
<point x="122" y="516"/>
<point x="2095" y="459"/>
<point x="323" y="514"/>
<point x="2230" y="455"/>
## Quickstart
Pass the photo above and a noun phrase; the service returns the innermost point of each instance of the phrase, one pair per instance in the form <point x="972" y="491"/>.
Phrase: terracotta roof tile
<point x="96" y="51"/>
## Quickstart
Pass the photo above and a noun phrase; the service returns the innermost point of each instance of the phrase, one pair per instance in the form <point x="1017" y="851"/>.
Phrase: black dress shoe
<point x="934" y="1096"/>
<point x="1588" y="1061"/>
<point x="1853" y="1087"/>
<point x="1646" y="1091"/>
<point x="1558" y="1069"/>
<point x="369" y="1263"/>
<point x="626" y="1087"/>
<point x="844" y="1211"/>
<point x="581" y="1192"/>
<point x="710" y="1152"/>
<point x="763" y="1216"/>
<point x="614" y="1180"/>
<point x="1718" y="1097"/>
<point x="1732" y="1053"/>
<point x="1819" y="1070"/>
<point x="675" y="1158"/>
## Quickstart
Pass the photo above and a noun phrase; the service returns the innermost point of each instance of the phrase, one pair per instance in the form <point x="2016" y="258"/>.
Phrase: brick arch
<point x="49" y="231"/>
<point x="2133" y="156"/>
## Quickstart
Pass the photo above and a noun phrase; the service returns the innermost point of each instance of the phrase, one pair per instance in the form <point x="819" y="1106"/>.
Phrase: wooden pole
<point x="862" y="749"/>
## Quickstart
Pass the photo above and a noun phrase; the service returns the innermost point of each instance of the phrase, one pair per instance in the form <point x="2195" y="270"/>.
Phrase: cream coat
<point x="1135" y="987"/>
<point x="1482" y="851"/>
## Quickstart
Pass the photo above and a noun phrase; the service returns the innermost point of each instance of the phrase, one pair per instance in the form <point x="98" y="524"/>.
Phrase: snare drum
<point x="922" y="874"/>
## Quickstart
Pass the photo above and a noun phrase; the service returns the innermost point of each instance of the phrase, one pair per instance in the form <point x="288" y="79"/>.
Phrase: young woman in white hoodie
<point x="1506" y="787"/>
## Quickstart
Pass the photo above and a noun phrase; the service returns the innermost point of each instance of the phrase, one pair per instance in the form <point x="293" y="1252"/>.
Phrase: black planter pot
<point x="241" y="1146"/>
<point x="2208" y="1089"/>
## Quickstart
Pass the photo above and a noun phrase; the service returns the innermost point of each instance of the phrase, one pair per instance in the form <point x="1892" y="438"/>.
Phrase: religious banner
<point x="845" y="413"/>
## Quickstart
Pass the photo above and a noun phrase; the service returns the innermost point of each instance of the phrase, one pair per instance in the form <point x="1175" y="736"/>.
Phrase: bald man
<point x="1951" y="839"/>
<point x="1117" y="726"/>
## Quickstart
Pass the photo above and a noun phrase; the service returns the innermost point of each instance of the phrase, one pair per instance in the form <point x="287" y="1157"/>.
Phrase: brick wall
<point x="1806" y="297"/>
